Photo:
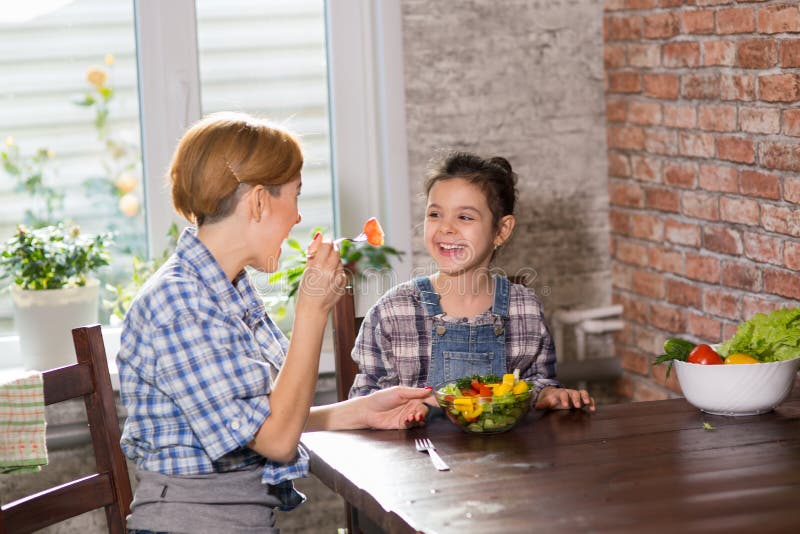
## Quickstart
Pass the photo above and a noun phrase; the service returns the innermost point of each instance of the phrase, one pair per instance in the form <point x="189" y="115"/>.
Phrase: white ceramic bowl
<point x="740" y="389"/>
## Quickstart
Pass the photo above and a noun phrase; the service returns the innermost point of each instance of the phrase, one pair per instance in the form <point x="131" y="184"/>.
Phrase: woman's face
<point x="459" y="231"/>
<point x="279" y="216"/>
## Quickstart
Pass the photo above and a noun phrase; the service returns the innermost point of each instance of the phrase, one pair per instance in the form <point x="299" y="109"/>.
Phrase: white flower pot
<point x="44" y="320"/>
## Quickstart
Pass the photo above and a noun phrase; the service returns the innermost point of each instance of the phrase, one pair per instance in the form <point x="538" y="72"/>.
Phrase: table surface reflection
<point x="646" y="466"/>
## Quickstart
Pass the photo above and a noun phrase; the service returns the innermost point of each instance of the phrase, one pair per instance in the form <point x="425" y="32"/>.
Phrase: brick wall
<point x="703" y="134"/>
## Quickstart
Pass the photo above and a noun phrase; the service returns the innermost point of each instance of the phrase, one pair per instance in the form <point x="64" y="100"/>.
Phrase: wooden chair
<point x="110" y="486"/>
<point x="345" y="330"/>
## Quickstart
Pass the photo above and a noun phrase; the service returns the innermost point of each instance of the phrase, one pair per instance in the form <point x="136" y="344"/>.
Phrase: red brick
<point x="718" y="118"/>
<point x="631" y="252"/>
<point x="667" y="318"/>
<point x="644" y="55"/>
<point x="634" y="361"/>
<point x="699" y="21"/>
<point x="791" y="190"/>
<point x="790" y="53"/>
<point x="647" y="169"/>
<point x="665" y="86"/>
<point x="618" y="221"/>
<point x="644" y="113"/>
<point x="671" y="3"/>
<point x="739" y="210"/>
<point x="783" y="156"/>
<point x="661" y="25"/>
<point x="614" y="5"/>
<point x="684" y="293"/>
<point x="622" y="28"/>
<point x="699" y="145"/>
<point x="645" y="390"/>
<point x="736" y="21"/>
<point x="756" y="53"/>
<point x="681" y="54"/>
<point x="779" y="87"/>
<point x="648" y="284"/>
<point x="760" y="184"/>
<point x="614" y="56"/>
<point x="723" y="240"/>
<point x="708" y="2"/>
<point x="664" y="259"/>
<point x="753" y="304"/>
<point x="624" y="82"/>
<point x="760" y="120"/>
<point x="706" y="328"/>
<point x="729" y="329"/>
<point x="682" y="233"/>
<point x="641" y="4"/>
<point x="634" y="309"/>
<point x="742" y="275"/>
<point x="781" y="220"/>
<point x="660" y="141"/>
<point x="680" y="174"/>
<point x="719" y="53"/>
<point x="779" y="19"/>
<point x="700" y="86"/>
<point x="738" y="149"/>
<point x="721" y="302"/>
<point x="618" y="165"/>
<point x="662" y="199"/>
<point x="621" y="276"/>
<point x="719" y="178"/>
<point x="629" y="137"/>
<point x="680" y="116"/>
<point x="624" y="388"/>
<point x="700" y="205"/>
<point x="616" y="109"/>
<point x="648" y="340"/>
<point x="625" y="193"/>
<point x="648" y="227"/>
<point x="737" y="87"/>
<point x="791" y="122"/>
<point x="763" y="248"/>
<point x="791" y="255"/>
<point x="783" y="283"/>
<point x="703" y="268"/>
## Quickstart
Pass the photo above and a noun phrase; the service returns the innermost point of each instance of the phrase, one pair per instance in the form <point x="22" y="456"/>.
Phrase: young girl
<point x="462" y="320"/>
<point x="217" y="398"/>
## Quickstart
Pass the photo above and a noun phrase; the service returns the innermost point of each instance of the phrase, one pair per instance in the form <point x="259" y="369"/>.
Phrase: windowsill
<point x="12" y="359"/>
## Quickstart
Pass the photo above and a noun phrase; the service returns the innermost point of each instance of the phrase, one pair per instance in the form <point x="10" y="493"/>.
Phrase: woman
<point x="216" y="397"/>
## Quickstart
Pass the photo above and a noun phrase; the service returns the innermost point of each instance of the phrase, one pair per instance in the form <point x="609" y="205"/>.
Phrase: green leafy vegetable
<point x="769" y="338"/>
<point x="707" y="426"/>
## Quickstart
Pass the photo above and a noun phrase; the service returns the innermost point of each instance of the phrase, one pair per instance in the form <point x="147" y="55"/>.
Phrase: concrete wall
<point x="522" y="79"/>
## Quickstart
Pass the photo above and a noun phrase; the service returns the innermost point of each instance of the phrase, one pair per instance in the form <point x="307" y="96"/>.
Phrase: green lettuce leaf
<point x="769" y="338"/>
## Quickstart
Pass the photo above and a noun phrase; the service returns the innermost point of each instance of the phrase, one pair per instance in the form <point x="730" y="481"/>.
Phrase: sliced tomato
<point x="705" y="355"/>
<point x="469" y="392"/>
<point x="374" y="232"/>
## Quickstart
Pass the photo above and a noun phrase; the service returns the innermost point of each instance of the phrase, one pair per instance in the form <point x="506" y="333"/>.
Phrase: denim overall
<point x="460" y="349"/>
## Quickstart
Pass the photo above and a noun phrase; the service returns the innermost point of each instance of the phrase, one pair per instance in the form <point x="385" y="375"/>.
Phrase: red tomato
<point x="705" y="355"/>
<point x="469" y="392"/>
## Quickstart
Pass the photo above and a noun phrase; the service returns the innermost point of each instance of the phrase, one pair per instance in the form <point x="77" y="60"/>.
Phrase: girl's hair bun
<point x="502" y="162"/>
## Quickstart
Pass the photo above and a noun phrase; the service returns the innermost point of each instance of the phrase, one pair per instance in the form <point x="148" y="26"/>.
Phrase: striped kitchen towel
<point x="22" y="425"/>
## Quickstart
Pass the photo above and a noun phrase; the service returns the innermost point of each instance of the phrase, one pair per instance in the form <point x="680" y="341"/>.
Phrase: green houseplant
<point x="49" y="270"/>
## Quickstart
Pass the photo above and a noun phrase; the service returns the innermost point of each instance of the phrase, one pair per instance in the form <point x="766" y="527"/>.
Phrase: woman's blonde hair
<point x="222" y="154"/>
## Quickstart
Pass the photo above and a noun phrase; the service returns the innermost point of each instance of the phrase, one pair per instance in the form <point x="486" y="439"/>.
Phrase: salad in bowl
<point x="485" y="404"/>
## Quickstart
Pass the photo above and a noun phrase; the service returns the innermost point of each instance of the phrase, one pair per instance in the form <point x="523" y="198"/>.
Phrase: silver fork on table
<point x="426" y="445"/>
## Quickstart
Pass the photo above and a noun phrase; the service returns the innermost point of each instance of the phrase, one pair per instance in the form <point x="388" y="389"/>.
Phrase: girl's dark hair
<point x="493" y="176"/>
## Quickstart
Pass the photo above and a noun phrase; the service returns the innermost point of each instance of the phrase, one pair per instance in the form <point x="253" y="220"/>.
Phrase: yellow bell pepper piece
<point x="508" y="379"/>
<point x="462" y="403"/>
<point x="520" y="387"/>
<point x="474" y="413"/>
<point x="502" y="389"/>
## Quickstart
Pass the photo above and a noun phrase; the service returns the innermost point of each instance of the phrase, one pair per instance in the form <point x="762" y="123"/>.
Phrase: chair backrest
<point x="345" y="330"/>
<point x="110" y="486"/>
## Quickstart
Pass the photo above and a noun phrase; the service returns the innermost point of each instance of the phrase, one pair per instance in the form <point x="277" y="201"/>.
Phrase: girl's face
<point x="279" y="215"/>
<point x="459" y="234"/>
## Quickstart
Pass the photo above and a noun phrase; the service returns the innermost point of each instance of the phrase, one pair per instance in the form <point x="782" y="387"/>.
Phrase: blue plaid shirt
<point x="196" y="362"/>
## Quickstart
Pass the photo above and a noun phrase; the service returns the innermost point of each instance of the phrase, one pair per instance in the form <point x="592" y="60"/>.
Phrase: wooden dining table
<point x="652" y="466"/>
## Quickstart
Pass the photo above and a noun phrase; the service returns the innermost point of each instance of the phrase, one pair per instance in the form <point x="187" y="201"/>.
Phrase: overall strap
<point x="428" y="297"/>
<point x="501" y="296"/>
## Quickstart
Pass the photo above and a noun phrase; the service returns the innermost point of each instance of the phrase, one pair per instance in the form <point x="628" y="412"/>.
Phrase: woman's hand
<point x="551" y="398"/>
<point x="395" y="407"/>
<point x="324" y="279"/>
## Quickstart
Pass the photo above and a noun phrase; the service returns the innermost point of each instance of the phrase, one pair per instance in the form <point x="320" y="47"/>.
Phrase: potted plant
<point x="51" y="288"/>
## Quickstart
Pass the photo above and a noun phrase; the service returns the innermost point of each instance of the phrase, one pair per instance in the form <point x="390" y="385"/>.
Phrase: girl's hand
<point x="395" y="407"/>
<point x="324" y="278"/>
<point x="551" y="398"/>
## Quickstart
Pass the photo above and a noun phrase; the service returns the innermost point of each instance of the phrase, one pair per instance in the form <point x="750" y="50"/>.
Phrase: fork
<point x="426" y="445"/>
